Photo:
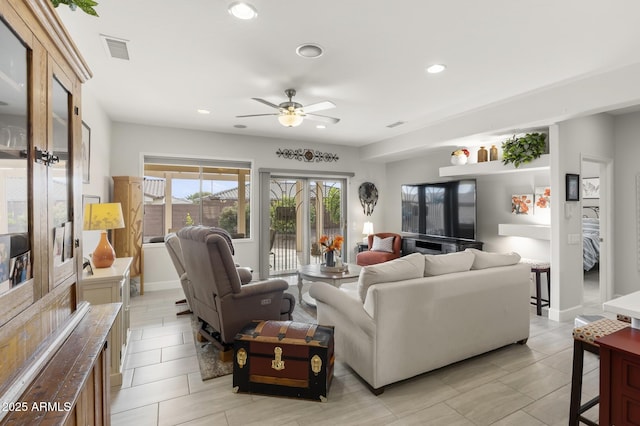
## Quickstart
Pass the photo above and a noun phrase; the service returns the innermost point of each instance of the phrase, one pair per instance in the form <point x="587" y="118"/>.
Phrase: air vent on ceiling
<point x="115" y="47"/>
<point x="396" y="124"/>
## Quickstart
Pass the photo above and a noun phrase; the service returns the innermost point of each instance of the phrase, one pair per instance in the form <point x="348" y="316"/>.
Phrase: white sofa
<point x="396" y="323"/>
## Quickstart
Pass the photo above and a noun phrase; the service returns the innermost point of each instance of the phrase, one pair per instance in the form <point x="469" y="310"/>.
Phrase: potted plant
<point x="85" y="5"/>
<point x="523" y="149"/>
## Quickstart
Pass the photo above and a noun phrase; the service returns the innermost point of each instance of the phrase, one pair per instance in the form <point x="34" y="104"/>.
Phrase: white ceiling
<point x="192" y="54"/>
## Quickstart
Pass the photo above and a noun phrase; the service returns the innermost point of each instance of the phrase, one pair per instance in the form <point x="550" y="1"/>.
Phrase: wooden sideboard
<point x="73" y="388"/>
<point x="620" y="377"/>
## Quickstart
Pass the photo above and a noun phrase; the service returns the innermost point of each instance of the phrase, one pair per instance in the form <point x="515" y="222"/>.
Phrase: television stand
<point x="436" y="245"/>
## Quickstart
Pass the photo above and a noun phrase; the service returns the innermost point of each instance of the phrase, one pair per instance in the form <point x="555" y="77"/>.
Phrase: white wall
<point x="99" y="161"/>
<point x="132" y="141"/>
<point x="493" y="201"/>
<point x="569" y="142"/>
<point x="627" y="153"/>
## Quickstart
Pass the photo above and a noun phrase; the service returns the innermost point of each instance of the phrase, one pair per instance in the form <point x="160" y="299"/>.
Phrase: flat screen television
<point x="443" y="209"/>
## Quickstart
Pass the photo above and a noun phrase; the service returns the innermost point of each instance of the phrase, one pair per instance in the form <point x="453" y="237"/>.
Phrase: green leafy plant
<point x="85" y="5"/>
<point x="523" y="149"/>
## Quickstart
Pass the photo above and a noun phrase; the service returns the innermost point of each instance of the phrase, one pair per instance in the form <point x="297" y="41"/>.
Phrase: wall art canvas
<point x="591" y="187"/>
<point x="522" y="204"/>
<point x="543" y="197"/>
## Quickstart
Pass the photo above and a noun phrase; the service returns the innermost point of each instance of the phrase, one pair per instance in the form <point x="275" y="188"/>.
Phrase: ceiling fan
<point x="292" y="114"/>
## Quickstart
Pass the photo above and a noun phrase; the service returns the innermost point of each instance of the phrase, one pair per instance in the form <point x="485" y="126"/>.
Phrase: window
<point x="179" y="192"/>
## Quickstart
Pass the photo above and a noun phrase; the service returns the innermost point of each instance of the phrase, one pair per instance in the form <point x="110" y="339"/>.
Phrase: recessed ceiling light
<point x="436" y="68"/>
<point x="321" y="126"/>
<point x="242" y="10"/>
<point x="309" y="50"/>
<point x="203" y="111"/>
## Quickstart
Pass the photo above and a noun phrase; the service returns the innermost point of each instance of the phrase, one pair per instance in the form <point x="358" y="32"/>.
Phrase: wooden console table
<point x="620" y="377"/>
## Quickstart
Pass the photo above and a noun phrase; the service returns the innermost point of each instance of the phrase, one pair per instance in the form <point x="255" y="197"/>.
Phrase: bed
<point x="590" y="237"/>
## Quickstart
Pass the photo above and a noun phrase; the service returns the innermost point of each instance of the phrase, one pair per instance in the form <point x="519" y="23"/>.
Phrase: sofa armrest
<point x="351" y="308"/>
<point x="261" y="287"/>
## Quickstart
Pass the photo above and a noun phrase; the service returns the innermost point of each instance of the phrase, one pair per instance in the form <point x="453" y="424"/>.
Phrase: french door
<point x="300" y="210"/>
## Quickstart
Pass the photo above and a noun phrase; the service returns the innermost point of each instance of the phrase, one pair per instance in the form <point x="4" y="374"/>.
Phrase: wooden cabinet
<point x="73" y="388"/>
<point x="51" y="344"/>
<point x="111" y="285"/>
<point x="435" y="245"/>
<point x="620" y="377"/>
<point x="127" y="242"/>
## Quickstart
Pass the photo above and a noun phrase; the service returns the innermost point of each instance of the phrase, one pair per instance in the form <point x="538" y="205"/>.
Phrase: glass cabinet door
<point x="15" y="265"/>
<point x="60" y="181"/>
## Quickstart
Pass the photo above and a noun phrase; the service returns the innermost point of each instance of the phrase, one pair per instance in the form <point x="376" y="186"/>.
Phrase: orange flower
<point x="331" y="245"/>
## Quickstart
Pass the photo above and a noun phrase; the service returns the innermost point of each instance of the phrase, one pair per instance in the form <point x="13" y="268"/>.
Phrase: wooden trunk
<point x="284" y="358"/>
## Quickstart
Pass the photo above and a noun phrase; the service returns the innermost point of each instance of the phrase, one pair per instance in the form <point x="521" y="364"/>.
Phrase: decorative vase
<point x="482" y="154"/>
<point x="493" y="153"/>
<point x="329" y="259"/>
<point x="458" y="160"/>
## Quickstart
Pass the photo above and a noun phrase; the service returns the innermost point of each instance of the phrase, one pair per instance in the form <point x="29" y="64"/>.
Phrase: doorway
<point x="597" y="244"/>
<point x="301" y="209"/>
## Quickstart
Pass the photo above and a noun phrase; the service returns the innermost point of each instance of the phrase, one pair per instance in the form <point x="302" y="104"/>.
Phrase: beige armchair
<point x="172" y="243"/>
<point x="218" y="299"/>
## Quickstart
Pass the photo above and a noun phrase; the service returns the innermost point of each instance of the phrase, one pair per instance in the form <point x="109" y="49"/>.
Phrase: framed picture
<point x="573" y="187"/>
<point x="522" y="204"/>
<point x="543" y="197"/>
<point x="89" y="199"/>
<point x="86" y="152"/>
<point x="591" y="187"/>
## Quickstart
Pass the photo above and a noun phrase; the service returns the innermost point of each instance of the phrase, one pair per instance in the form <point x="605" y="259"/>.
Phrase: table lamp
<point x="100" y="217"/>
<point x="367" y="230"/>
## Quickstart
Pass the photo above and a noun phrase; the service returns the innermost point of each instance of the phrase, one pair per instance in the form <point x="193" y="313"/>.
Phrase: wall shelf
<point x="538" y="232"/>
<point x="494" y="167"/>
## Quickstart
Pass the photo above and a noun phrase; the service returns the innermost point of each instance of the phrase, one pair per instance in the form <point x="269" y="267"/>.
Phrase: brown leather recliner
<point x="218" y="299"/>
<point x="371" y="257"/>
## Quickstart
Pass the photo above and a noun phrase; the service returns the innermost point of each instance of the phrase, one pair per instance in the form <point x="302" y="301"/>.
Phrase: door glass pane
<point x="285" y="230"/>
<point x="60" y="170"/>
<point x="14" y="200"/>
<point x="290" y="246"/>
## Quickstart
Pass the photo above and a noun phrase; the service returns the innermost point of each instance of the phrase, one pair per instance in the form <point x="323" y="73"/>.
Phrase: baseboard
<point x="161" y="285"/>
<point x="566" y="314"/>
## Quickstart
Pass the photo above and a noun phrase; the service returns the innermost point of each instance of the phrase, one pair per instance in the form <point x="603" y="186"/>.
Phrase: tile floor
<point x="515" y="385"/>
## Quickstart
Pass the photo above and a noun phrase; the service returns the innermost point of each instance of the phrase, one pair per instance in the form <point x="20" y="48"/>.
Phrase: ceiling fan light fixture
<point x="242" y="10"/>
<point x="290" y="119"/>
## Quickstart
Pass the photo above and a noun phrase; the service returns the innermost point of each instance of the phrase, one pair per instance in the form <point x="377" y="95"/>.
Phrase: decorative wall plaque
<point x="368" y="194"/>
<point x="305" y="154"/>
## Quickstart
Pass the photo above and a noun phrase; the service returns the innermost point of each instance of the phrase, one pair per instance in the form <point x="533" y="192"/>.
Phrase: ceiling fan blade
<point x="320" y="106"/>
<point x="262" y="101"/>
<point x="255" y="115"/>
<point x="322" y="118"/>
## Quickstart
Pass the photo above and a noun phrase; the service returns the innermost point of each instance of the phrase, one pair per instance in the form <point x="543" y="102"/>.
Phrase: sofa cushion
<point x="382" y="244"/>
<point x="484" y="259"/>
<point x="403" y="268"/>
<point x="440" y="264"/>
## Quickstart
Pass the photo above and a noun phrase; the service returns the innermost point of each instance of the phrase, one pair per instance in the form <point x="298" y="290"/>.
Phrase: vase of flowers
<point x="459" y="156"/>
<point x="331" y="249"/>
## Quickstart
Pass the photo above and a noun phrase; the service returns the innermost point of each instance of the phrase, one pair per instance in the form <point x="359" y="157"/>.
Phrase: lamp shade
<point x="367" y="229"/>
<point x="101" y="216"/>
<point x="290" y="119"/>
